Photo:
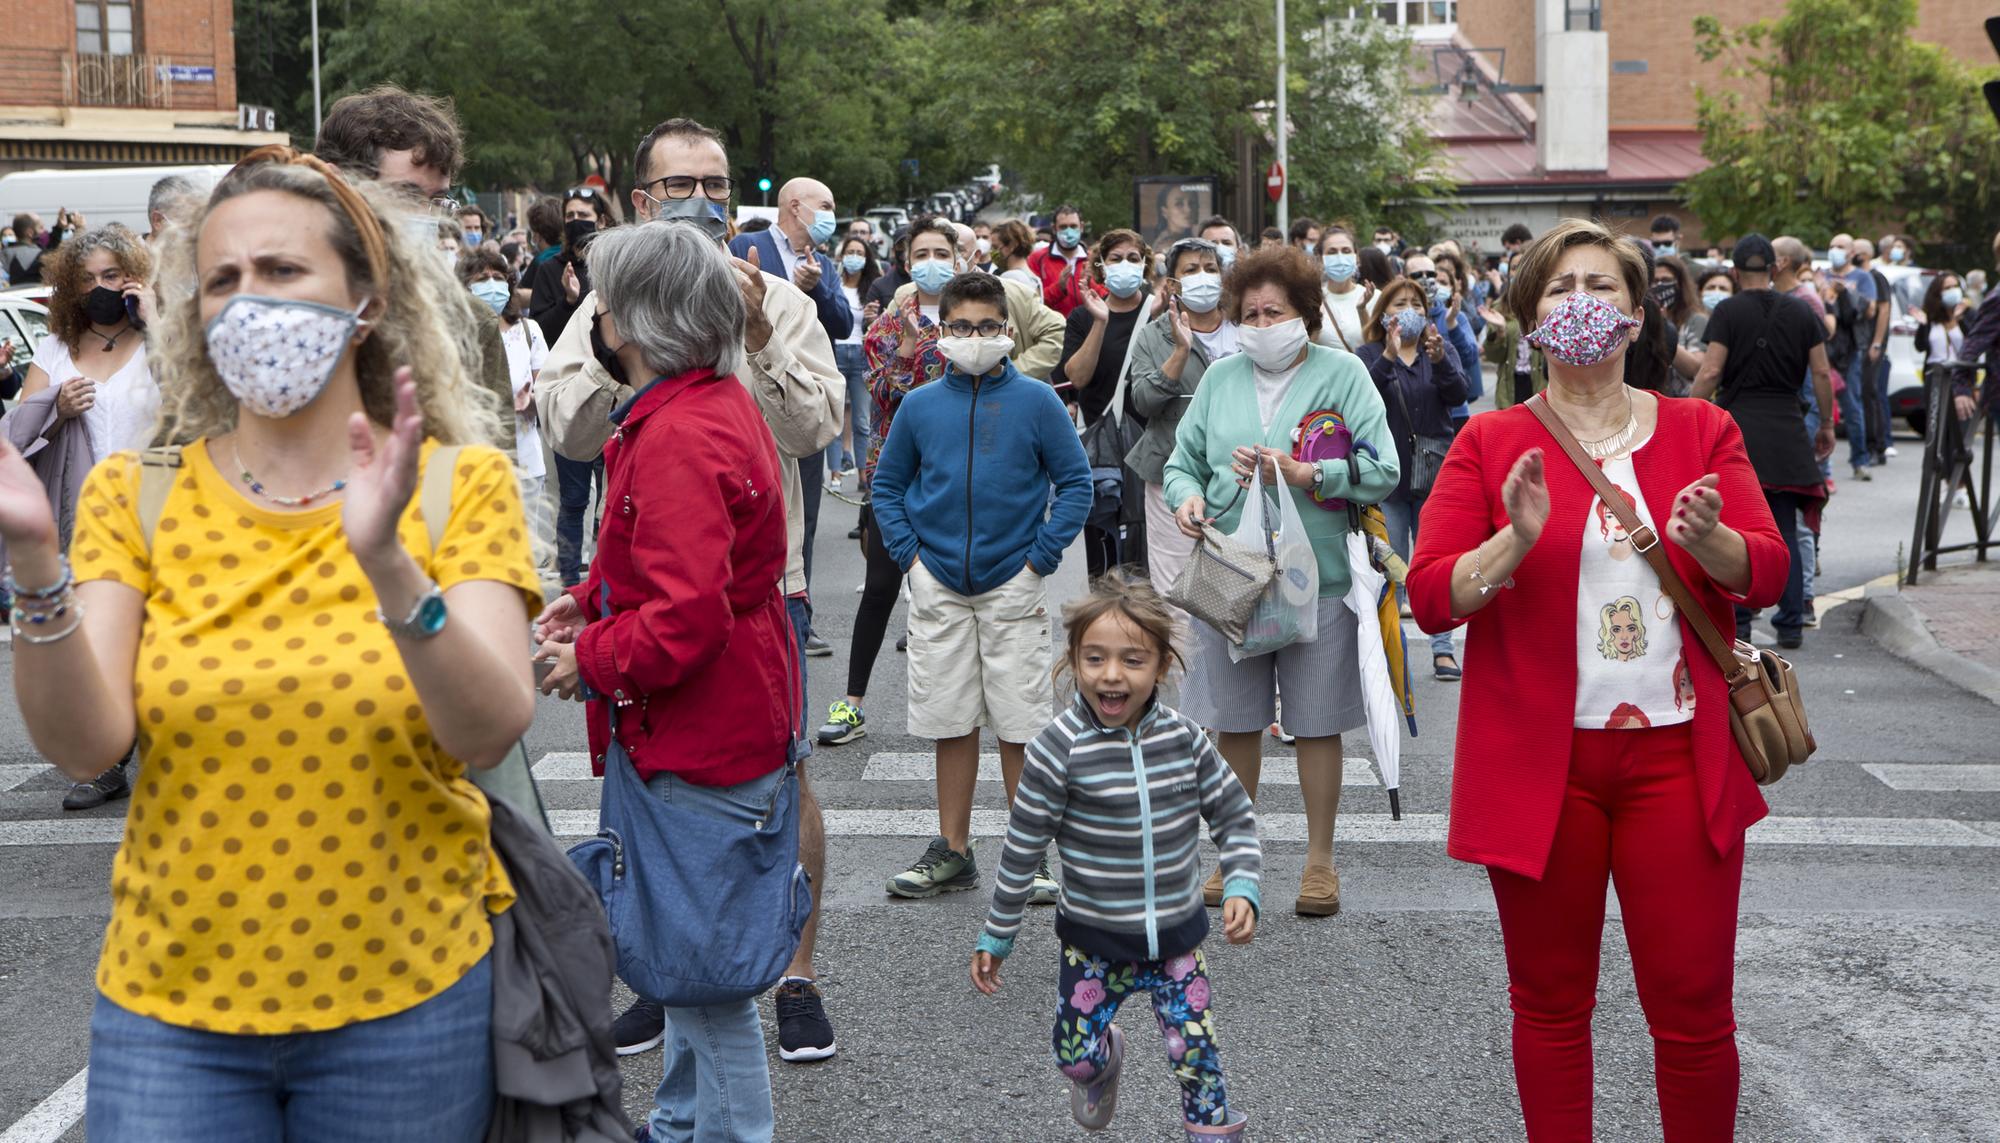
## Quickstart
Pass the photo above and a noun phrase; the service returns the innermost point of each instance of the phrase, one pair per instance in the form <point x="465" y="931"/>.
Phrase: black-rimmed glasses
<point x="968" y="329"/>
<point x="716" y="187"/>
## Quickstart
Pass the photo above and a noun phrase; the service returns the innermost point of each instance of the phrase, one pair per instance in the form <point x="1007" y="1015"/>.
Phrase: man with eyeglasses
<point x="791" y="248"/>
<point x="682" y="172"/>
<point x="1666" y="236"/>
<point x="412" y="142"/>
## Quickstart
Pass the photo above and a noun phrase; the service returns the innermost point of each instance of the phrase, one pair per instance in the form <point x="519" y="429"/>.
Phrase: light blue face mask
<point x="1069" y="236"/>
<point x="493" y="293"/>
<point x="1123" y="279"/>
<point x="1409" y="322"/>
<point x="853" y="263"/>
<point x="1201" y="292"/>
<point x="1714" y="298"/>
<point x="1227" y="254"/>
<point x="931" y="274"/>
<point x="1836" y="257"/>
<point x="1340" y="267"/>
<point x="1952" y="296"/>
<point x="1440" y="295"/>
<point x="821" y="227"/>
<point x="473" y="238"/>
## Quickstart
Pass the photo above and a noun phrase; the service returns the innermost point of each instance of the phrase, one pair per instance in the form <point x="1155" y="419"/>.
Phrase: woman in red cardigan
<point x="1612" y="757"/>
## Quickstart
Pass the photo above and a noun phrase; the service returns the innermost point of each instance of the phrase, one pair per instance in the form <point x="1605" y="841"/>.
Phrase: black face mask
<point x="1666" y="293"/>
<point x="605" y="355"/>
<point x="576" y="230"/>
<point x="104" y="306"/>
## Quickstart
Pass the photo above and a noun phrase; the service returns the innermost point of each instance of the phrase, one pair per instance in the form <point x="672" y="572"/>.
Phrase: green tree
<point x="1857" y="126"/>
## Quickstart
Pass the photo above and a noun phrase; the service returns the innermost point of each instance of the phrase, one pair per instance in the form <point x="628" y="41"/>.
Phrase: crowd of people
<point x="230" y="598"/>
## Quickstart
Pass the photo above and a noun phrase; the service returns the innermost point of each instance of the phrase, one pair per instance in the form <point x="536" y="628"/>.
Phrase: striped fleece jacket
<point x="1124" y="809"/>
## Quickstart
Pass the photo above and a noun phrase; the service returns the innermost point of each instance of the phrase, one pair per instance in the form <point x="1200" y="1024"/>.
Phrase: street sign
<point x="187" y="73"/>
<point x="1274" y="181"/>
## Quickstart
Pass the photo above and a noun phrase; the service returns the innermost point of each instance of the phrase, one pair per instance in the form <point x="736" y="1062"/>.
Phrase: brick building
<point x="97" y="83"/>
<point x="1613" y="131"/>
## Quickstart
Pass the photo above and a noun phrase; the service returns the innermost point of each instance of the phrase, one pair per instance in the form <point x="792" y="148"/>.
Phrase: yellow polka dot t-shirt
<point x="299" y="854"/>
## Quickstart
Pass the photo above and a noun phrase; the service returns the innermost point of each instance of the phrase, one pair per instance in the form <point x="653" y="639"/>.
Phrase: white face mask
<point x="1273" y="348"/>
<point x="985" y="246"/>
<point x="1200" y="292"/>
<point x="276" y="355"/>
<point x="975" y="356"/>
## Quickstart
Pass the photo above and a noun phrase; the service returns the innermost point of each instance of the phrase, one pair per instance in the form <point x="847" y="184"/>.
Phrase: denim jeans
<point x="573" y="479"/>
<point x="423" y="1075"/>
<point x="1810" y="399"/>
<point x="1858" y="453"/>
<point x="798" y="609"/>
<point x="1402" y="518"/>
<point x="860" y="409"/>
<point x="716" y="1085"/>
<point x="1887" y="436"/>
<point x="1790" y="616"/>
<point x="1808" y="560"/>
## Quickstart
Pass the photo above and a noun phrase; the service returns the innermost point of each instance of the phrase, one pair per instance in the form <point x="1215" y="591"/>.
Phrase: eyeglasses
<point x="967" y="329"/>
<point x="716" y="187"/>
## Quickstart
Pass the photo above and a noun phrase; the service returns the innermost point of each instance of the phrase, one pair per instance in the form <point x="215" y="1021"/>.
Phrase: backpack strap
<point x="434" y="493"/>
<point x="157" y="469"/>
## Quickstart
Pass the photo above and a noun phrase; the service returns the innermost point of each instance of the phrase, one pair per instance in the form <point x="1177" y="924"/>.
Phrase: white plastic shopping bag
<point x="1288" y="611"/>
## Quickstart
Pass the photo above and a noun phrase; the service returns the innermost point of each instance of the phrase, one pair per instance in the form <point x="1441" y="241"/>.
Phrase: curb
<point x="1889" y="620"/>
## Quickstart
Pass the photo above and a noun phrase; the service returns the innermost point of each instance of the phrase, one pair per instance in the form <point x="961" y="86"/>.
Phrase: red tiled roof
<point x="1637" y="158"/>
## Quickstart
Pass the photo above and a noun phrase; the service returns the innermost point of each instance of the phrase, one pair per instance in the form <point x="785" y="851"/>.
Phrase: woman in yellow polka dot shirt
<point x="299" y="935"/>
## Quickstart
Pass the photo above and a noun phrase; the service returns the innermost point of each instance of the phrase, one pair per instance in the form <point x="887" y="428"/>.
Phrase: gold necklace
<point x="1606" y="447"/>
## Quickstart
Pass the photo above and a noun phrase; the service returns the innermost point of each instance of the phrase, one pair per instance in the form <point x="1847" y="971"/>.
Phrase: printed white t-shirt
<point x="128" y="401"/>
<point x="1631" y="668"/>
<point x="526" y="351"/>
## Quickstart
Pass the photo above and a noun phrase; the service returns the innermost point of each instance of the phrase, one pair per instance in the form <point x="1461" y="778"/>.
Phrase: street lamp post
<point x="1282" y="129"/>
<point x="317" y="118"/>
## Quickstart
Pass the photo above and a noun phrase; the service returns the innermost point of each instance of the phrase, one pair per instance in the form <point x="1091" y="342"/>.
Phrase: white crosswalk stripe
<point x="12" y="776"/>
<point x="1963" y="777"/>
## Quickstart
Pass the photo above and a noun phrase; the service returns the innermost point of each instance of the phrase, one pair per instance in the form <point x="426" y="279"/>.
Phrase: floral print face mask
<point x="277" y="354"/>
<point x="1583" y="329"/>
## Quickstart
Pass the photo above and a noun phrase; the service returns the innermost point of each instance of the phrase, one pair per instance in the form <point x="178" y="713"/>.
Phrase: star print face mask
<point x="1583" y="329"/>
<point x="277" y="354"/>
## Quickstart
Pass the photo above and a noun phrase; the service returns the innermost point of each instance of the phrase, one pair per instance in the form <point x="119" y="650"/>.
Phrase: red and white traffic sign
<point x="1274" y="181"/>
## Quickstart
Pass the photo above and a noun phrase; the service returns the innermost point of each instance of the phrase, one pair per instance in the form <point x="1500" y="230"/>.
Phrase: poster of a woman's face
<point x="1171" y="209"/>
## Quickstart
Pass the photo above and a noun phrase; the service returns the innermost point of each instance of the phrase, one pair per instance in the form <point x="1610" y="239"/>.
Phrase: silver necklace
<point x="1607" y="447"/>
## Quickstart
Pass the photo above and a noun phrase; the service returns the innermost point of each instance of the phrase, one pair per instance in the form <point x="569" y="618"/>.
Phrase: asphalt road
<point x="1868" y="1001"/>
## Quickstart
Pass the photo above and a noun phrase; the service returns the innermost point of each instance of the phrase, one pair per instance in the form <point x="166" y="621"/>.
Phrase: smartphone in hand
<point x="132" y="312"/>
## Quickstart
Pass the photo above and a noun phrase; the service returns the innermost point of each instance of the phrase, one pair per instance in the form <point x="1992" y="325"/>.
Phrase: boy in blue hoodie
<point x="961" y="496"/>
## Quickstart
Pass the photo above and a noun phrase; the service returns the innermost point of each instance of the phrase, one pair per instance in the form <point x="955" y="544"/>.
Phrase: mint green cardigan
<point x="1223" y="418"/>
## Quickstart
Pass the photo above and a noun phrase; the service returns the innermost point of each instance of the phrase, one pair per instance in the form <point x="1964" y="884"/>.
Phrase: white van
<point x="101" y="195"/>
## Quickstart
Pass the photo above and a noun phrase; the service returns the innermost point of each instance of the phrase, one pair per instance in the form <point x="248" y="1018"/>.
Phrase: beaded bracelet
<point x="74" y="608"/>
<point x="62" y="584"/>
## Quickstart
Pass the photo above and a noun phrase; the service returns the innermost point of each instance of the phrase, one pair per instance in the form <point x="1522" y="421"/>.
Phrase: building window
<point x="1583" y="16"/>
<point x="105" y="27"/>
<point x="1409" y="13"/>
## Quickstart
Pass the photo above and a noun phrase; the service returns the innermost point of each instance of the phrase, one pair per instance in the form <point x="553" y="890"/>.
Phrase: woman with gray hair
<point x="681" y="625"/>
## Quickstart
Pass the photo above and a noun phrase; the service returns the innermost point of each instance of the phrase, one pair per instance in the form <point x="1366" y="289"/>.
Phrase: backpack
<point x="512" y="779"/>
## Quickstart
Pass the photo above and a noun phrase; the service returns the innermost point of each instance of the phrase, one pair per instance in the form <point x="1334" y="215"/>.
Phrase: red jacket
<point x="1514" y="739"/>
<point x="697" y="651"/>
<point x="1062" y="291"/>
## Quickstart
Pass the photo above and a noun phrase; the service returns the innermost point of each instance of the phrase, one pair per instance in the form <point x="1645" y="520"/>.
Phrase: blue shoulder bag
<point x="703" y="910"/>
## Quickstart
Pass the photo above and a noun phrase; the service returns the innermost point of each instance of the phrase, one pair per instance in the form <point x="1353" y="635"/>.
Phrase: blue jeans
<point x="1790" y="616"/>
<point x="573" y="479"/>
<point x="860" y="407"/>
<point x="1858" y="453"/>
<point x="1402" y="518"/>
<point x="716" y="1084"/>
<point x="799" y="610"/>
<point x="424" y="1075"/>
<point x="1887" y="434"/>
<point x="1810" y="399"/>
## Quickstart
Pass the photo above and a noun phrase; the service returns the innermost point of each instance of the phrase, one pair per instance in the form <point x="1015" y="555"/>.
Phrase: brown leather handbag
<point x="1766" y="712"/>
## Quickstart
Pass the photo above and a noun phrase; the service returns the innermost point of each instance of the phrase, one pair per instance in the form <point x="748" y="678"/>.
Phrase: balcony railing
<point x="99" y="79"/>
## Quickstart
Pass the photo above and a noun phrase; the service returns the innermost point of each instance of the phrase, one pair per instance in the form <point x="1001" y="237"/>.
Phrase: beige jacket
<point x="1038" y="330"/>
<point x="796" y="384"/>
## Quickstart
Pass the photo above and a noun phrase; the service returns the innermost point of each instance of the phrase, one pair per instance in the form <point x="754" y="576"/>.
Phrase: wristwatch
<point x="427" y="616"/>
<point x="1319" y="476"/>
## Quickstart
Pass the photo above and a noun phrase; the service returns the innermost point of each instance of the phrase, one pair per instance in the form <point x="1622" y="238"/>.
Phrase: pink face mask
<point x="1583" y="329"/>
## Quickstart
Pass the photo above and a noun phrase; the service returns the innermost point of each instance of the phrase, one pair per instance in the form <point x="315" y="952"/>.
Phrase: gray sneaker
<point x="939" y="870"/>
<point x="1043" y="890"/>
<point x="1092" y="1104"/>
<point x="105" y="787"/>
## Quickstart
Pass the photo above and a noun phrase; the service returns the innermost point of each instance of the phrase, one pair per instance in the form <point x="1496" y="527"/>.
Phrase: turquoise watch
<point x="427" y="616"/>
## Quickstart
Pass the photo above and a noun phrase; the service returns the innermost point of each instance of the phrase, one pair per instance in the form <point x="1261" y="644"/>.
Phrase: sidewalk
<point x="1949" y="625"/>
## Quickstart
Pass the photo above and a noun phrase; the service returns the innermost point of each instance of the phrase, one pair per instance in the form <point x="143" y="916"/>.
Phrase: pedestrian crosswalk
<point x="905" y="776"/>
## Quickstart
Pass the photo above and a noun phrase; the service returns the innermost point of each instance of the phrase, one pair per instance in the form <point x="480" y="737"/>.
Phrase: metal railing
<point x="101" y="79"/>
<point x="1949" y="457"/>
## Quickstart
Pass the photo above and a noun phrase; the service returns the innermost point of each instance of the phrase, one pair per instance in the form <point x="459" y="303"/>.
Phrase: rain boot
<point x="1093" y="1103"/>
<point x="1232" y="1130"/>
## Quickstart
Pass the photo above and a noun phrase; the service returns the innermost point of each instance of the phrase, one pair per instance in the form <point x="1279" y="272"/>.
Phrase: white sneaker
<point x="1890" y="451"/>
<point x="1960" y="500"/>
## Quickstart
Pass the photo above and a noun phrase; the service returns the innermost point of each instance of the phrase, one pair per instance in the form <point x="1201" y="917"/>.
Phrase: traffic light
<point x="764" y="184"/>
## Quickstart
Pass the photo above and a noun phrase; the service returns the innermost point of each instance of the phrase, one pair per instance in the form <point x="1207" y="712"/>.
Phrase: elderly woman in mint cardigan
<point x="1245" y="414"/>
<point x="1593" y="732"/>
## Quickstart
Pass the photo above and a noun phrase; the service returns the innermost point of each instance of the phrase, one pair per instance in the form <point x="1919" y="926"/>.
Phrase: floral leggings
<point x="1092" y="989"/>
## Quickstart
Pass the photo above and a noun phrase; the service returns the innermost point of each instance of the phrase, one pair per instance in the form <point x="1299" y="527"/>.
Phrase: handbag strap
<point x="1647" y="543"/>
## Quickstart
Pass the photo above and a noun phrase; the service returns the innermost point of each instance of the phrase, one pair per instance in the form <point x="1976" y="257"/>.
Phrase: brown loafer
<point x="1319" y="892"/>
<point x="1211" y="889"/>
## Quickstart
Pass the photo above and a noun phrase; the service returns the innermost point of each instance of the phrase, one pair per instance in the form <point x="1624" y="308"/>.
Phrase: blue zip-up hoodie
<point x="963" y="480"/>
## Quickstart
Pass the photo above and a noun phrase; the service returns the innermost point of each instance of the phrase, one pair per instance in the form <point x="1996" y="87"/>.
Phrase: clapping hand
<point x="750" y="280"/>
<point x="384" y="474"/>
<point x="1433" y="344"/>
<point x="1094" y="305"/>
<point x="572" y="289"/>
<point x="806" y="274"/>
<point x="1183" y="337"/>
<point x="25" y="516"/>
<point x="1697" y="512"/>
<point x="1526" y="496"/>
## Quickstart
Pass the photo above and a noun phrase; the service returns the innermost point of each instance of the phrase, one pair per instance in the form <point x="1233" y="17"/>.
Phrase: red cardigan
<point x="1513" y="741"/>
<point x="697" y="650"/>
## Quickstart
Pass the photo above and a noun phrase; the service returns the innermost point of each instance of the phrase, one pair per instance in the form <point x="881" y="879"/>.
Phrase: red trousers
<point x="1631" y="813"/>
